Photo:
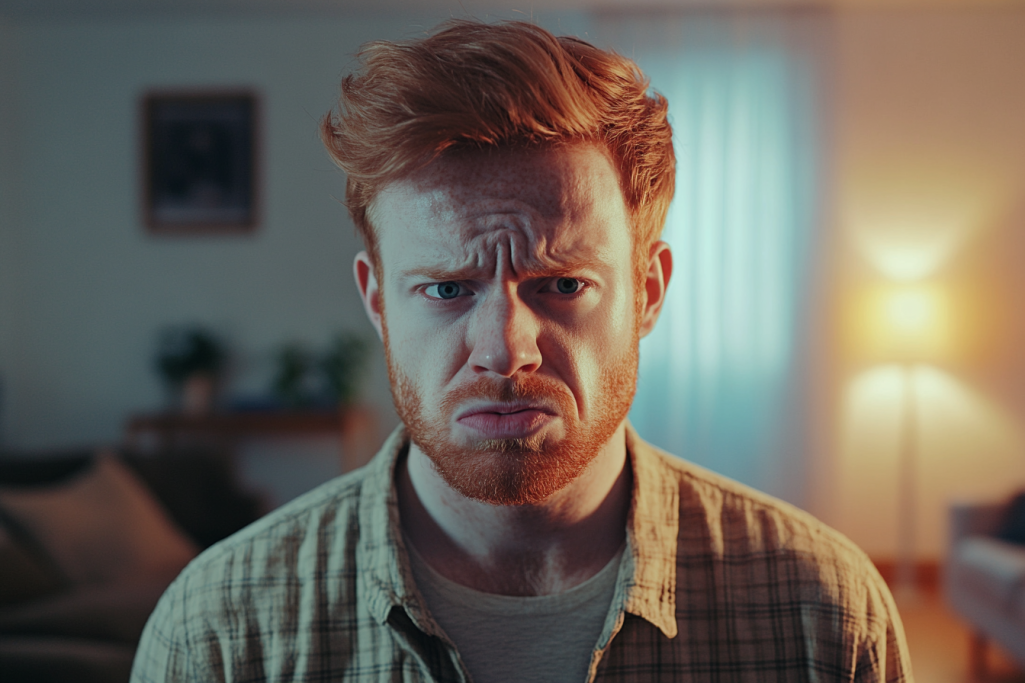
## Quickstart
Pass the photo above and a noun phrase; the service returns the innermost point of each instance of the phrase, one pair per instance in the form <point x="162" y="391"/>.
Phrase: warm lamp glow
<point x="970" y="447"/>
<point x="904" y="323"/>
<point x="907" y="254"/>
<point x="912" y="312"/>
<point x="910" y="219"/>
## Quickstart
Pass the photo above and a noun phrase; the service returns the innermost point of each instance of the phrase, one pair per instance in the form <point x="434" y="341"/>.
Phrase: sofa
<point x="88" y="543"/>
<point x="984" y="580"/>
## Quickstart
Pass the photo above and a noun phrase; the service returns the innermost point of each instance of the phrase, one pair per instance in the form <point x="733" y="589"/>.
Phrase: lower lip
<point x="520" y="424"/>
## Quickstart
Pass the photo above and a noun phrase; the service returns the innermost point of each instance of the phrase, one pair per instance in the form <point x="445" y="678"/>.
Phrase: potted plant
<point x="343" y="366"/>
<point x="191" y="360"/>
<point x="303" y="378"/>
<point x="292" y="383"/>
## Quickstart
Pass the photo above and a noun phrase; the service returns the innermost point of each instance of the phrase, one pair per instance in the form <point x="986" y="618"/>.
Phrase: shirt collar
<point x="381" y="559"/>
<point x="652" y="530"/>
<point x="648" y="589"/>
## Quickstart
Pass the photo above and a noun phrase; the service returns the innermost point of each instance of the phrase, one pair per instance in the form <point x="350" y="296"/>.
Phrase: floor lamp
<point x="906" y="584"/>
<point x="912" y="331"/>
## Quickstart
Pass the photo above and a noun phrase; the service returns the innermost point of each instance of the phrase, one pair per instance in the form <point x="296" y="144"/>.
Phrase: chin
<point x="509" y="476"/>
<point x="519" y="471"/>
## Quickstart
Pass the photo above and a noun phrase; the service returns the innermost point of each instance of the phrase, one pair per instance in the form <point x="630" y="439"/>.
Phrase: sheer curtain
<point x="721" y="377"/>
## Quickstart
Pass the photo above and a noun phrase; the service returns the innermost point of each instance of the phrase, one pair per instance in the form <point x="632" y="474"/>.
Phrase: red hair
<point x="473" y="85"/>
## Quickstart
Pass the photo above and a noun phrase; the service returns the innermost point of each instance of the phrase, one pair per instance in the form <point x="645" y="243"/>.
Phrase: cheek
<point x="581" y="352"/>
<point x="616" y="326"/>
<point x="423" y="350"/>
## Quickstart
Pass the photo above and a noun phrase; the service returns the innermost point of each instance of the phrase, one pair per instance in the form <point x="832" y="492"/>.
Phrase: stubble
<point x="516" y="471"/>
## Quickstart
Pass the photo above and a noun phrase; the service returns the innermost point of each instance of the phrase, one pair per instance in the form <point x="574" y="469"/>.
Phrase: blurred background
<point x="844" y="329"/>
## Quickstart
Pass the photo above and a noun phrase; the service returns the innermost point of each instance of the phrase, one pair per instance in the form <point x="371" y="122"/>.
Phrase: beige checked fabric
<point x="718" y="583"/>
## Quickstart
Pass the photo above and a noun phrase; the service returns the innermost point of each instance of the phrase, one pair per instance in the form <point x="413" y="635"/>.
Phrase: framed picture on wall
<point x="199" y="158"/>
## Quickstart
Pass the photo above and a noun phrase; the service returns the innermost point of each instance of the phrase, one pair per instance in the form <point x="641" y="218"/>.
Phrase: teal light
<point x="720" y="374"/>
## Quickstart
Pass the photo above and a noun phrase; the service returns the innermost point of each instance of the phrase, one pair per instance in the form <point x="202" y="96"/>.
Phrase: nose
<point x="504" y="335"/>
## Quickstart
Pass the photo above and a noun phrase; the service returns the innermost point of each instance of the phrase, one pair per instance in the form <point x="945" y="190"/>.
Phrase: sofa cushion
<point x="199" y="488"/>
<point x="64" y="660"/>
<point x="1012" y="526"/>
<point x="24" y="573"/>
<point x="101" y="526"/>
<point x="115" y="612"/>
<point x="43" y="468"/>
<point x="992" y="567"/>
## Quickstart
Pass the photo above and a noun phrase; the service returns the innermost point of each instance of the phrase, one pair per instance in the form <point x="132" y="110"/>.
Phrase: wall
<point x="93" y="287"/>
<point x="929" y="158"/>
<point x="930" y="183"/>
<point x="9" y="209"/>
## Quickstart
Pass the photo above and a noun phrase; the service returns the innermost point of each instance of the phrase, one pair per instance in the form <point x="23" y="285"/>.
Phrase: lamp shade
<point x="904" y="323"/>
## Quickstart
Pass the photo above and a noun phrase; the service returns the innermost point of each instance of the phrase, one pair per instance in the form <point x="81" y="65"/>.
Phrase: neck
<point x="524" y="550"/>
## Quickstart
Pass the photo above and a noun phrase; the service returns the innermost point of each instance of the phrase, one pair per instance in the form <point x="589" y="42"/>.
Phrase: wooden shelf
<point x="356" y="428"/>
<point x="239" y="424"/>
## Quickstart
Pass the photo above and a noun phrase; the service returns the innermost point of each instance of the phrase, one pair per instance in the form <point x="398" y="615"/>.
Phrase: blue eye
<point x="567" y="285"/>
<point x="443" y="290"/>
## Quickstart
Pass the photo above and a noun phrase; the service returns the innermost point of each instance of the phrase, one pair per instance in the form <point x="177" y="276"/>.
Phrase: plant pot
<point x="198" y="395"/>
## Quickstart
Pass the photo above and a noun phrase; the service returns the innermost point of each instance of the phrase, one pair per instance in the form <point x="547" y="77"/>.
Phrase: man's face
<point x="509" y="315"/>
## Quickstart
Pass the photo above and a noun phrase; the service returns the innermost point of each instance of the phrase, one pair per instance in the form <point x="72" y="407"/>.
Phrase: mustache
<point x="533" y="388"/>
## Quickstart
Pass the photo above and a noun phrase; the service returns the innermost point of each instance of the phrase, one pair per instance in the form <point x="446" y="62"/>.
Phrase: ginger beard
<point x="517" y="471"/>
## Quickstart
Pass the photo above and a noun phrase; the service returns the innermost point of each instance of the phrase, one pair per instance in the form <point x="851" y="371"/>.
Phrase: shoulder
<point x="262" y="603"/>
<point x="250" y="583"/>
<point x="758" y="584"/>
<point x="738" y="519"/>
<point x="290" y="544"/>
<point x="764" y="548"/>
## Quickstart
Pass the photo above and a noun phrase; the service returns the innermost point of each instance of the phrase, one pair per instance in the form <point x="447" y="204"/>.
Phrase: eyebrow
<point x="441" y="274"/>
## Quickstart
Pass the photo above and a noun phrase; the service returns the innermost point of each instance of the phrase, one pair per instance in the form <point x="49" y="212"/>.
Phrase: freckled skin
<point x="503" y="224"/>
<point x="528" y="515"/>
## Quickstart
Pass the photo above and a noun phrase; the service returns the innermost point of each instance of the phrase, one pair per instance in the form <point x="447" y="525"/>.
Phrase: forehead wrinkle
<point x="541" y="256"/>
<point x="481" y="258"/>
<point x="476" y="207"/>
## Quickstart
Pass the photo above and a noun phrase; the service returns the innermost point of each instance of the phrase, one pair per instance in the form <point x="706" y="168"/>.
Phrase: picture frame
<point x="199" y="162"/>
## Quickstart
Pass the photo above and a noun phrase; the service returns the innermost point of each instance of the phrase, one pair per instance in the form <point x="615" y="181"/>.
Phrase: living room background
<point x="922" y="137"/>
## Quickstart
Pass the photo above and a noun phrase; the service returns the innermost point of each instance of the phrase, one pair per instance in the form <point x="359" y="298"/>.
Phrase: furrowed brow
<point x="547" y="268"/>
<point x="441" y="274"/>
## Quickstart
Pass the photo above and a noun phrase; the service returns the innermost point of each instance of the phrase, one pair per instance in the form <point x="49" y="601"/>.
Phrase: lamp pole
<point x="906" y="586"/>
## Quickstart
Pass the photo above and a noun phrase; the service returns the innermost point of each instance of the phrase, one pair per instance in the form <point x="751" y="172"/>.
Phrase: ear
<point x="369" y="291"/>
<point x="660" y="269"/>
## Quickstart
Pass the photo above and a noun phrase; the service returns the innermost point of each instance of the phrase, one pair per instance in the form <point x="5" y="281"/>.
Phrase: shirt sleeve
<point x="884" y="656"/>
<point x="163" y="653"/>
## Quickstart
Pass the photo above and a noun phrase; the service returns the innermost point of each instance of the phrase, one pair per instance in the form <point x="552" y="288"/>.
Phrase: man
<point x="510" y="188"/>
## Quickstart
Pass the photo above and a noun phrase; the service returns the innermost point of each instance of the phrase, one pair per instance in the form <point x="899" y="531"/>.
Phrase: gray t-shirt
<point x="505" y="639"/>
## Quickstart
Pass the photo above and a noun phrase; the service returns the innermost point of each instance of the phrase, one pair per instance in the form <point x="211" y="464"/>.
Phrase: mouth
<point x="506" y="420"/>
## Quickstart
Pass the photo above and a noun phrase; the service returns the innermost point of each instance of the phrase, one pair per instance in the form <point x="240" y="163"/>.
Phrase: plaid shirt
<point x="719" y="583"/>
